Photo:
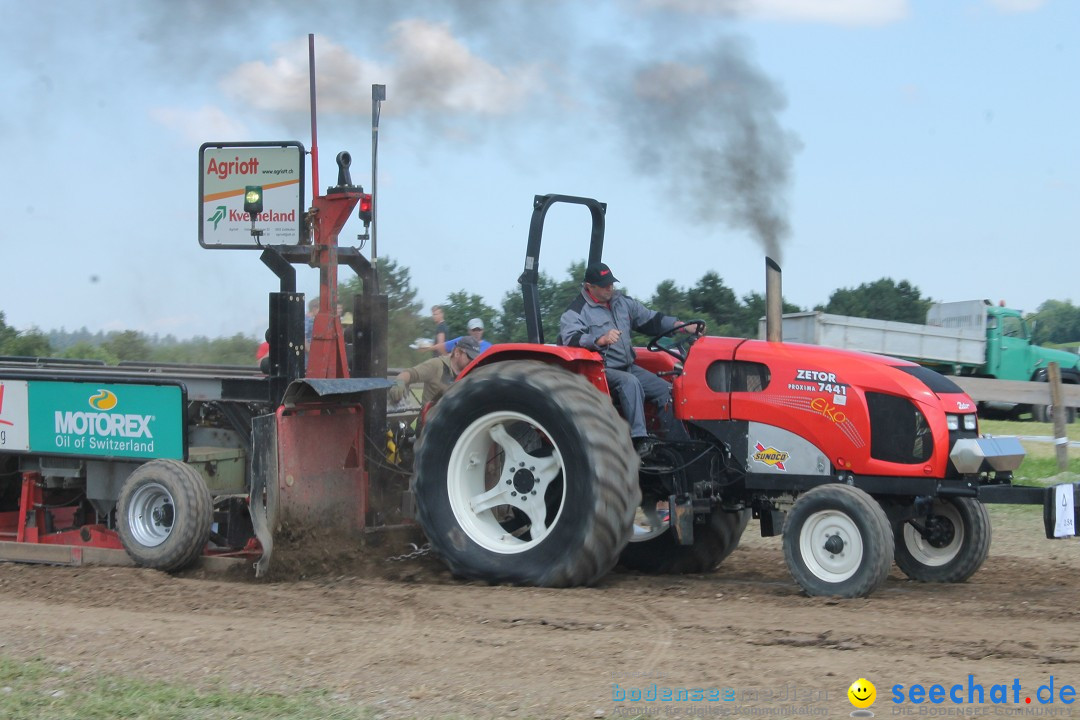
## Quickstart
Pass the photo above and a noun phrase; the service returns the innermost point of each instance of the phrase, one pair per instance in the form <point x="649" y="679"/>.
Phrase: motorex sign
<point x="133" y="421"/>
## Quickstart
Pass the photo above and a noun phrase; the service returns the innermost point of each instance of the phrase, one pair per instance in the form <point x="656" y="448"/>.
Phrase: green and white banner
<point x="98" y="419"/>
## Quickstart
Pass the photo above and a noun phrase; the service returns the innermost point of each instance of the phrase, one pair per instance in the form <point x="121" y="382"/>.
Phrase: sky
<point x="933" y="141"/>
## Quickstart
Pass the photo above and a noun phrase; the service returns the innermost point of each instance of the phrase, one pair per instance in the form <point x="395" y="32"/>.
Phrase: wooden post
<point x="1061" y="439"/>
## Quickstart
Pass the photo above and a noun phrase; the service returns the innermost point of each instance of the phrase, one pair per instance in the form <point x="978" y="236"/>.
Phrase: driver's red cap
<point x="599" y="274"/>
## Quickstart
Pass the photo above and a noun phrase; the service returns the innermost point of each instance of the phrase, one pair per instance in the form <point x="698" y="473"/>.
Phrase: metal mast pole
<point x="378" y="94"/>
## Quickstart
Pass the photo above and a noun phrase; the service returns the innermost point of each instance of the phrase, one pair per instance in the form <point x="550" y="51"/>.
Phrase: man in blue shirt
<point x="476" y="332"/>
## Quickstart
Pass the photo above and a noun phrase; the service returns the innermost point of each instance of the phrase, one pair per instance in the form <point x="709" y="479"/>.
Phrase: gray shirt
<point x="586" y="320"/>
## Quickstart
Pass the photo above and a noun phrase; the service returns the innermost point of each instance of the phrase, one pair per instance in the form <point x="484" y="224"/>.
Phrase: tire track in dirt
<point x="658" y="620"/>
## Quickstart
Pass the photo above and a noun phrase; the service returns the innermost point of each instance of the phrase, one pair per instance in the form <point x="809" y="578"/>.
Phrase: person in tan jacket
<point x="436" y="373"/>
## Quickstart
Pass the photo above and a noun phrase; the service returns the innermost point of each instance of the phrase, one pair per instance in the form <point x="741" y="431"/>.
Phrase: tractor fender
<point x="580" y="361"/>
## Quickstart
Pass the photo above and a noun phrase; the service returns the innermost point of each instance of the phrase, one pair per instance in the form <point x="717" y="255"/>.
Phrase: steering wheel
<point x="678" y="348"/>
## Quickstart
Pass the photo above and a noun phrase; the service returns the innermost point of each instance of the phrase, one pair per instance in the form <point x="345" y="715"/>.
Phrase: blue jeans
<point x="633" y="387"/>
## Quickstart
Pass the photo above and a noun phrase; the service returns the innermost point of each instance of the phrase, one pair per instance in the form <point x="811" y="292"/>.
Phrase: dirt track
<point x="407" y="640"/>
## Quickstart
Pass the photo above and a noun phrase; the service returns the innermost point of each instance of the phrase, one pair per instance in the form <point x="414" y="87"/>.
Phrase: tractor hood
<point x="865" y="413"/>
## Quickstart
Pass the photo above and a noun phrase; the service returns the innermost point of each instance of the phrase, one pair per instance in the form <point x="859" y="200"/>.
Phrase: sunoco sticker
<point x="140" y="421"/>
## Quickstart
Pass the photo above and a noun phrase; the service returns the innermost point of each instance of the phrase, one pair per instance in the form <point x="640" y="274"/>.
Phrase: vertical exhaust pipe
<point x="774" y="303"/>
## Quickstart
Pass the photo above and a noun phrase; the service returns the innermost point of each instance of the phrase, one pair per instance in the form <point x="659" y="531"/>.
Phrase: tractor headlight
<point x="970" y="422"/>
<point x="953" y="422"/>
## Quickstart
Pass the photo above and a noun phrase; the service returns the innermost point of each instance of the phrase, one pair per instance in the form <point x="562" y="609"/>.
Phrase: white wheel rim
<point x="151" y="514"/>
<point x="831" y="545"/>
<point x="649" y="524"/>
<point x="490" y="475"/>
<point x="921" y="549"/>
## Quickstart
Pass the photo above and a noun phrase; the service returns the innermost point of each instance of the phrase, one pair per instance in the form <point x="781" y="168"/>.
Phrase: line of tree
<point x="709" y="299"/>
<point x="112" y="347"/>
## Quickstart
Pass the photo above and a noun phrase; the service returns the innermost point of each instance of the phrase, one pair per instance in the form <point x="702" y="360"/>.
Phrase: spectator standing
<point x="441" y="331"/>
<point x="476" y="332"/>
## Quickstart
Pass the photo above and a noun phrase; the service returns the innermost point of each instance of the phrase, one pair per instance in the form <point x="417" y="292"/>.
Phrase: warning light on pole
<point x="253" y="206"/>
<point x="253" y="200"/>
<point x="365" y="208"/>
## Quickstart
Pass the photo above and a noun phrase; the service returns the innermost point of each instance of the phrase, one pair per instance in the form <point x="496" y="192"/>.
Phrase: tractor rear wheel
<point x="948" y="545"/>
<point x="837" y="541"/>
<point x="654" y="549"/>
<point x="164" y="514"/>
<point x="525" y="474"/>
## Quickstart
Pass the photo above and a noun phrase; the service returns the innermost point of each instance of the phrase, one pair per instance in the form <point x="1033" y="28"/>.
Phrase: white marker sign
<point x="1064" y="512"/>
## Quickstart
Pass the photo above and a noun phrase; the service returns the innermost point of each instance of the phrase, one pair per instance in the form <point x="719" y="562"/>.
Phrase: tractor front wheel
<point x="949" y="544"/>
<point x="837" y="541"/>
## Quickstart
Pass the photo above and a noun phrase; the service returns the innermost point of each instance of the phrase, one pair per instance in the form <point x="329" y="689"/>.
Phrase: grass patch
<point x="37" y="690"/>
<point x="1011" y="427"/>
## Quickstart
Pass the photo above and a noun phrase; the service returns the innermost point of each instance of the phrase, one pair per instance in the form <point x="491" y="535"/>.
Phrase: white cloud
<point x="438" y="72"/>
<point x="195" y="126"/>
<point x="836" y="12"/>
<point x="432" y="72"/>
<point x="343" y="80"/>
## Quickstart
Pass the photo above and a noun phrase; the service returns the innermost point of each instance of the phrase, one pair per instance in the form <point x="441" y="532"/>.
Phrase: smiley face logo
<point x="862" y="693"/>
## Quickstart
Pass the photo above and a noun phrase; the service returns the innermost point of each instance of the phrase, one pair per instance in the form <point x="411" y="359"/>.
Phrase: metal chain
<point x="416" y="552"/>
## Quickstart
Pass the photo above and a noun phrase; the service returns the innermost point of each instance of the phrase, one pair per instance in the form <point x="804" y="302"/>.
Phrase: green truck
<point x="969" y="338"/>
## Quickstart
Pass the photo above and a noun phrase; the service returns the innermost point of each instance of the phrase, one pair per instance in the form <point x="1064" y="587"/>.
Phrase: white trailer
<point x="957" y="338"/>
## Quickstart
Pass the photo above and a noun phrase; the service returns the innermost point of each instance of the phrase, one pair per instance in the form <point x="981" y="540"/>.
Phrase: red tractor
<point x="525" y="472"/>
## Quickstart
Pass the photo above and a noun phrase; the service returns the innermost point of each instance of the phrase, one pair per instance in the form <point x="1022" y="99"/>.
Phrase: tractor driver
<point x="436" y="373"/>
<point x="601" y="319"/>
